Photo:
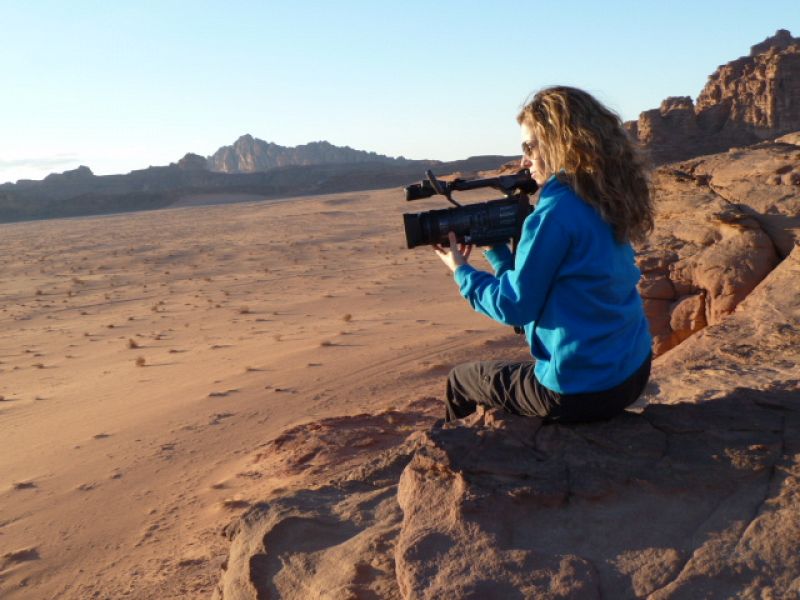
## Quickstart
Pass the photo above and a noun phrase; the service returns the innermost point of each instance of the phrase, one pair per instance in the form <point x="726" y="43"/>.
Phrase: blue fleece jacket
<point x="572" y="287"/>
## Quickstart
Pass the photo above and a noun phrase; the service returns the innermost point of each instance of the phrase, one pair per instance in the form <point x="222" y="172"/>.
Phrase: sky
<point x="122" y="85"/>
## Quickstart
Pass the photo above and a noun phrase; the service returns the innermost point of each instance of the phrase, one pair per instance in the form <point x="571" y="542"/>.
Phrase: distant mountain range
<point x="250" y="155"/>
<point x="316" y="168"/>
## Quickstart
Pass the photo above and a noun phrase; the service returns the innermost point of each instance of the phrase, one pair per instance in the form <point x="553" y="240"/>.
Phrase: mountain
<point x="249" y="154"/>
<point x="750" y="99"/>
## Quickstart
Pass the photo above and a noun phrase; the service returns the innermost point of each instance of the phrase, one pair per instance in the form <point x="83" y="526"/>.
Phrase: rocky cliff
<point x="249" y="155"/>
<point x="753" y="98"/>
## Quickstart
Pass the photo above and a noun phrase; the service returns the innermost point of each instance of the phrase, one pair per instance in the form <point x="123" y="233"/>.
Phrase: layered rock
<point x="250" y="155"/>
<point x="722" y="224"/>
<point x="688" y="495"/>
<point x="747" y="100"/>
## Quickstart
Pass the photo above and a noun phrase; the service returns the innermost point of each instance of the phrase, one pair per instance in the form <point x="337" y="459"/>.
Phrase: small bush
<point x="140" y="361"/>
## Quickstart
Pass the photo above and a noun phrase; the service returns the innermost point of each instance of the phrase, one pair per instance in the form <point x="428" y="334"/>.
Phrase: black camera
<point x="482" y="224"/>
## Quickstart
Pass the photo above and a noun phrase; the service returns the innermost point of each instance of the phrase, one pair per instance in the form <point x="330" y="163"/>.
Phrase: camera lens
<point x="483" y="224"/>
<point x="413" y="226"/>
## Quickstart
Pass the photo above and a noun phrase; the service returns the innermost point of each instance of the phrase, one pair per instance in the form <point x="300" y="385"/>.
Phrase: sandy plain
<point x="145" y="357"/>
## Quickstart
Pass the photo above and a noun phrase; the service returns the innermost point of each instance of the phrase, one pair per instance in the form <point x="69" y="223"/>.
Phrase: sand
<point x="144" y="357"/>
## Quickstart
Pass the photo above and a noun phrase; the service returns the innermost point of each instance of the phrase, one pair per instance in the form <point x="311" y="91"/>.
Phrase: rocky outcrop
<point x="81" y="174"/>
<point x="249" y="155"/>
<point x="192" y="162"/>
<point x="747" y="100"/>
<point x="690" y="494"/>
<point x="758" y="344"/>
<point x="722" y="224"/>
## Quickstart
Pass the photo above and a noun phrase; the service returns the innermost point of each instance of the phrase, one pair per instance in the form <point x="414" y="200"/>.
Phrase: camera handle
<point x="442" y="190"/>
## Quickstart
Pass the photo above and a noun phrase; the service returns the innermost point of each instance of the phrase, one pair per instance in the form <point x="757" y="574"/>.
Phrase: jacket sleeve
<point x="517" y="296"/>
<point x="500" y="258"/>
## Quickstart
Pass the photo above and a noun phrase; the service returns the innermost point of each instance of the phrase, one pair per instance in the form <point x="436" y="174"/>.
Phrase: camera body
<point x="482" y="224"/>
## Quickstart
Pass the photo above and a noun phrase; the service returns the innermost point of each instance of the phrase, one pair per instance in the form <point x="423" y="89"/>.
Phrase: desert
<point x="120" y="357"/>
<point x="238" y="394"/>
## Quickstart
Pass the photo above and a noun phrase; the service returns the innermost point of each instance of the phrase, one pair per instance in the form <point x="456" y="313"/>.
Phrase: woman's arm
<point x="500" y="258"/>
<point x="518" y="295"/>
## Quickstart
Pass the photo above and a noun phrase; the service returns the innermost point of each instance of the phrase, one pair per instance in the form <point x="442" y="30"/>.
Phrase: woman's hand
<point x="456" y="255"/>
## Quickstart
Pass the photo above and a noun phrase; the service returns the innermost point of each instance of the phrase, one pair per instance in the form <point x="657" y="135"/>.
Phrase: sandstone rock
<point x="672" y="502"/>
<point x="758" y="343"/>
<point x="80" y="174"/>
<point x="192" y="162"/>
<point x="688" y="316"/>
<point x="704" y="249"/>
<point x="744" y="179"/>
<point x="334" y="485"/>
<point x="744" y="101"/>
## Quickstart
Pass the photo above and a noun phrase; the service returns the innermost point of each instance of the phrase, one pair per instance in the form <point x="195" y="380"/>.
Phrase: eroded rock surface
<point x="758" y="344"/>
<point x="723" y="222"/>
<point x="747" y="100"/>
<point x="672" y="502"/>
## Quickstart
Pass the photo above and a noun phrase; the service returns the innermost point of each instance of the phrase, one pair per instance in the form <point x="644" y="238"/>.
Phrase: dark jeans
<point x="513" y="387"/>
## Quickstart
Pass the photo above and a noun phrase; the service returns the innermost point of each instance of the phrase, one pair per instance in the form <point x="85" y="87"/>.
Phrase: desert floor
<point x="145" y="357"/>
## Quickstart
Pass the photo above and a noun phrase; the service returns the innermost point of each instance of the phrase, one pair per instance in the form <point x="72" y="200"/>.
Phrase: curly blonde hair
<point x="586" y="146"/>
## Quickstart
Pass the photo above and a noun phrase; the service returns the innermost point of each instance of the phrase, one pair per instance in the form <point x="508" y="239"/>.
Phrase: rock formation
<point x="82" y="173"/>
<point x="723" y="223"/>
<point x="192" y="162"/>
<point x="747" y="100"/>
<point x="249" y="155"/>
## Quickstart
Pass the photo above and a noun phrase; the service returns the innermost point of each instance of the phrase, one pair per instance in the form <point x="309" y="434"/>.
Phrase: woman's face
<point x="531" y="157"/>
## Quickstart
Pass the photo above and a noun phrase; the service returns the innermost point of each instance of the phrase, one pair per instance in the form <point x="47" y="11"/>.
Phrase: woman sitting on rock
<point x="572" y="284"/>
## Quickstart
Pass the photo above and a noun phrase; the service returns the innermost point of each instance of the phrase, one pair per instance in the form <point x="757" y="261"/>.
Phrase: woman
<point x="572" y="284"/>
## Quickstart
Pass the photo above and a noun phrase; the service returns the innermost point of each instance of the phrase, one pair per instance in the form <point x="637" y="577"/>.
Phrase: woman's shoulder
<point x="558" y="200"/>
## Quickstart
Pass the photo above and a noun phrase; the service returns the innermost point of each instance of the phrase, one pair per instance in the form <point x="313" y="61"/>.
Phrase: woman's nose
<point x="525" y="162"/>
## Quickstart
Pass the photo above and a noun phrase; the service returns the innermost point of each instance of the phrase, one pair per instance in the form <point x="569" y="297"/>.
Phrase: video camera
<point x="482" y="224"/>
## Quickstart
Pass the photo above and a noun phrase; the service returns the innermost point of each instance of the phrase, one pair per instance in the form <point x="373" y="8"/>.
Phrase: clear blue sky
<point x="120" y="85"/>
